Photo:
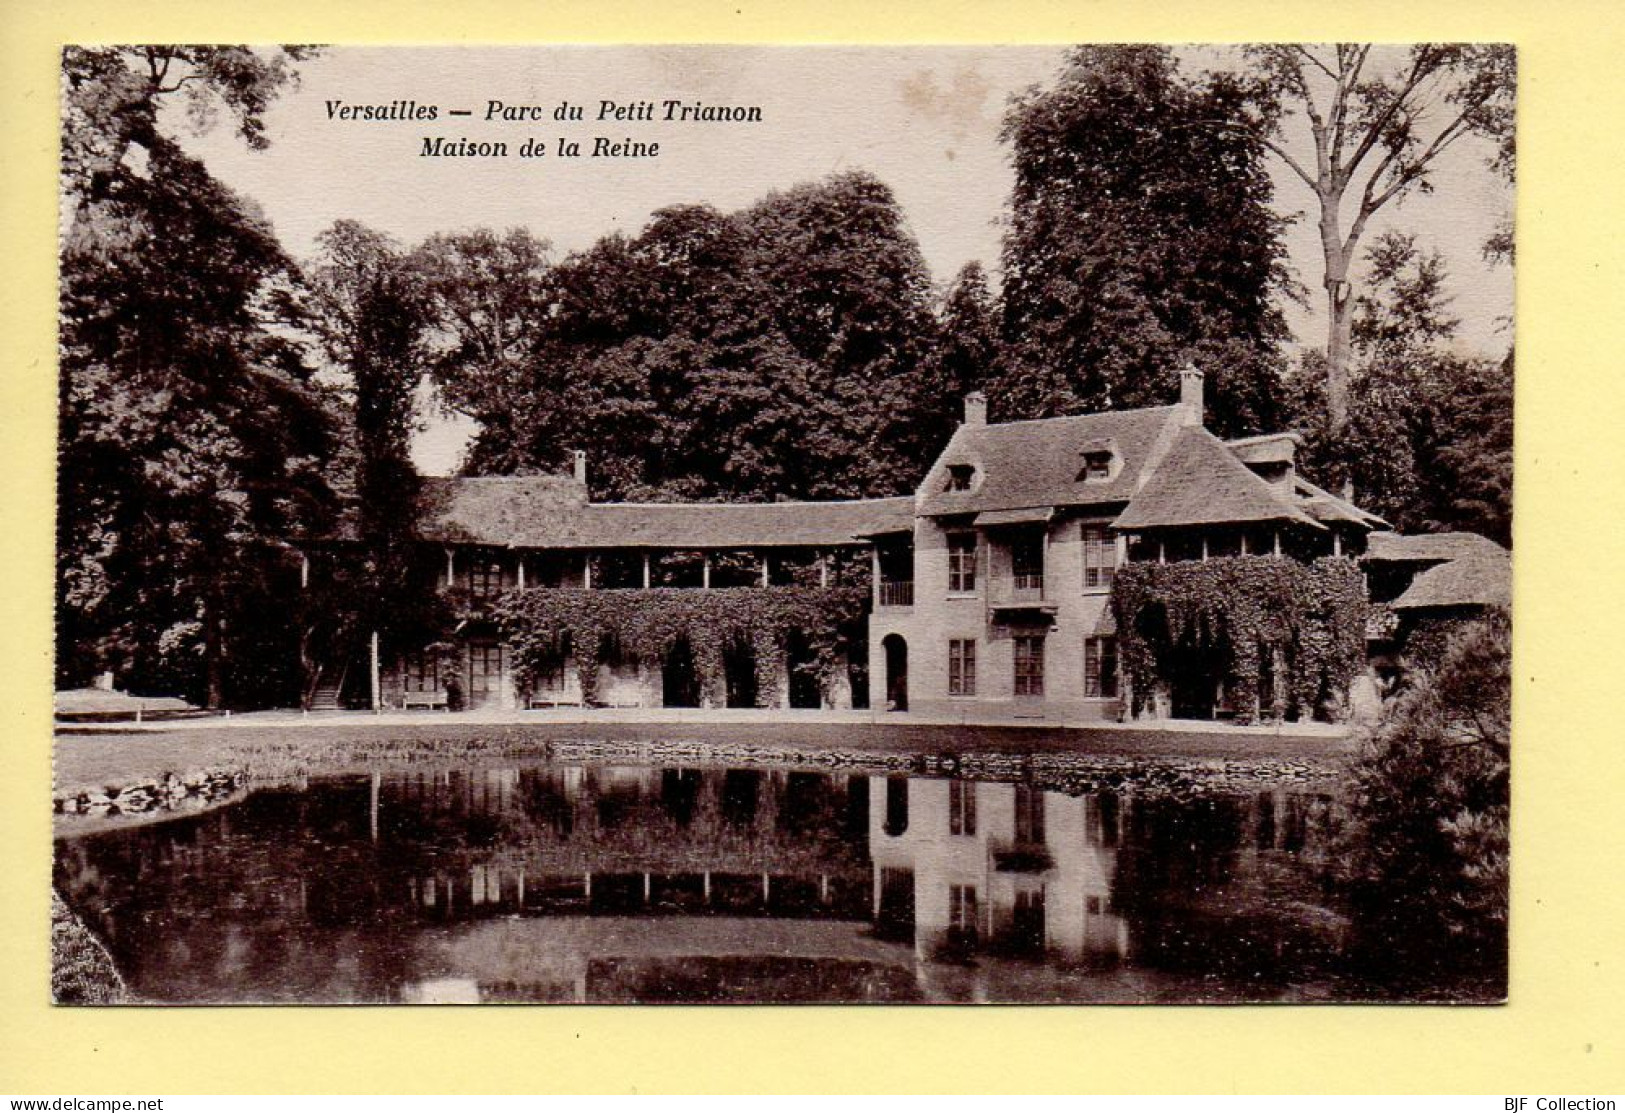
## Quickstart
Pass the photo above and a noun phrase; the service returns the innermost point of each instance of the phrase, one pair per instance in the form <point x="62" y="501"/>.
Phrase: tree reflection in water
<point x="623" y="883"/>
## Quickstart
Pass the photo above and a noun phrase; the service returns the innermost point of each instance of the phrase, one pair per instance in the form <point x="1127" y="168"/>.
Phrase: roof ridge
<point x="786" y="502"/>
<point x="1075" y="417"/>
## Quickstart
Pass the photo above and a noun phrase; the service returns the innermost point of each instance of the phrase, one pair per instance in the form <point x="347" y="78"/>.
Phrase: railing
<point x="897" y="593"/>
<point x="1027" y="587"/>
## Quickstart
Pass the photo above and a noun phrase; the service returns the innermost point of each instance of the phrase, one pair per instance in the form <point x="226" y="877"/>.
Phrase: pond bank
<point x="82" y="972"/>
<point x="102" y="765"/>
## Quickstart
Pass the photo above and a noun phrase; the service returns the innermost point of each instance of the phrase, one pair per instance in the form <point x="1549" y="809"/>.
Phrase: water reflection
<point x="609" y="883"/>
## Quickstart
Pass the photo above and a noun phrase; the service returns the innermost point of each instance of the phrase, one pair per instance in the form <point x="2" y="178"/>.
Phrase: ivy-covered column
<point x="782" y="668"/>
<point x="1279" y="674"/>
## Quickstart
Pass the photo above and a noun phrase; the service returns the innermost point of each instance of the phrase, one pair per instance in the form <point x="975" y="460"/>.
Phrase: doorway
<point x="896" y="650"/>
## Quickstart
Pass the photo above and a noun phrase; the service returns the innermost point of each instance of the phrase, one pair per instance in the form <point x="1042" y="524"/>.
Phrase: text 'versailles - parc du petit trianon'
<point x="666" y="111"/>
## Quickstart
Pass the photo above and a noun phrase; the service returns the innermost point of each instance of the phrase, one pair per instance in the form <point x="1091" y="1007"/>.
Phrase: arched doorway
<point x="896" y="650"/>
<point x="679" y="684"/>
<point x="739" y="674"/>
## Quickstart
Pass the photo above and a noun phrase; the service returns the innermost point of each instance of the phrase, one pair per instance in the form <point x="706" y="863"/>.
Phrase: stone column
<point x="840" y="691"/>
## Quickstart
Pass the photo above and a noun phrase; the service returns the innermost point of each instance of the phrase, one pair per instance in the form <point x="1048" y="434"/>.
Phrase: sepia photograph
<point x="784" y="525"/>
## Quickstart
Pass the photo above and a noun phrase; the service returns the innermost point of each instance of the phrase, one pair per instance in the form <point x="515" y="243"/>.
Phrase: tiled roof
<point x="1201" y="481"/>
<point x="551" y="512"/>
<point x="1324" y="506"/>
<point x="492" y="510"/>
<point x="1480" y="580"/>
<point x="1037" y="463"/>
<point x="1428" y="548"/>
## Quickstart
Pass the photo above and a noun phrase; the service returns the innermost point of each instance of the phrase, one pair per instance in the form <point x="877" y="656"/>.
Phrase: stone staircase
<point x="329" y="686"/>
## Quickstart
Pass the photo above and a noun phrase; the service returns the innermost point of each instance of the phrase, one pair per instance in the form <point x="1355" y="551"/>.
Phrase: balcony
<point x="1021" y="591"/>
<point x="897" y="593"/>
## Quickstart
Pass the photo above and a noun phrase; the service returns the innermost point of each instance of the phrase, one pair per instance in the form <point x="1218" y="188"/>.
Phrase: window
<point x="1100" y="668"/>
<point x="1096" y="465"/>
<point x="1029" y="665"/>
<point x="484" y="669"/>
<point x="960" y="477"/>
<point x="961" y="562"/>
<point x="961" y="667"/>
<point x="1027" y="564"/>
<point x="962" y="908"/>
<point x="961" y="808"/>
<point x="485" y="578"/>
<point x="422" y="673"/>
<point x="1099" y="558"/>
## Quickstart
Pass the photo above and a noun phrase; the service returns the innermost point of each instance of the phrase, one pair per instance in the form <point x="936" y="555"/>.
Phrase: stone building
<point x="990" y="587"/>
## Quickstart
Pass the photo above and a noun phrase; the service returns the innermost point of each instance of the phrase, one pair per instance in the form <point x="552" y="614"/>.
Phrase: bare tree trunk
<point x="1339" y="314"/>
<point x="213" y="651"/>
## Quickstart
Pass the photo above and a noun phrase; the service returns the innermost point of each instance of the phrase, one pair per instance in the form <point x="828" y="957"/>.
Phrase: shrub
<point x="1425" y="848"/>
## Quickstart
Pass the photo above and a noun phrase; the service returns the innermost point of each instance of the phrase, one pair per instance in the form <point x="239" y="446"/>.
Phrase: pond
<point x="582" y="882"/>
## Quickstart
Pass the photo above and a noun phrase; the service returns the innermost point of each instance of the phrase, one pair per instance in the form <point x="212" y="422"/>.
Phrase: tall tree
<point x="1427" y="439"/>
<point x="487" y="295"/>
<point x="191" y="435"/>
<point x="370" y="308"/>
<point x="964" y="355"/>
<point x="774" y="352"/>
<point x="1376" y="133"/>
<point x="1139" y="238"/>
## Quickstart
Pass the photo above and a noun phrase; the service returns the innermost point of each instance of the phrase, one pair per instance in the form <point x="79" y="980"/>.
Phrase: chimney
<point x="581" y="467"/>
<point x="1190" y="393"/>
<point x="975" y="408"/>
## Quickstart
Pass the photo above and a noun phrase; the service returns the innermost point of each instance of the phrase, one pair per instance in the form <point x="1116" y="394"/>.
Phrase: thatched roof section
<point x="493" y="510"/>
<point x="1480" y="580"/>
<point x="1202" y="482"/>
<point x="1323" y="506"/>
<point x="1429" y="548"/>
<point x="552" y="512"/>
<point x="1038" y="463"/>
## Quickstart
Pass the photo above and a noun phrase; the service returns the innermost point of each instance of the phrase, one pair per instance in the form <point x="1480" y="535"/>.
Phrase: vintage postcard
<point x="784" y="524"/>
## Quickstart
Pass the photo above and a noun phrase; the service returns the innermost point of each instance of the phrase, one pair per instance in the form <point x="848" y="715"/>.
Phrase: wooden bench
<point x="558" y="699"/>
<point x="428" y="700"/>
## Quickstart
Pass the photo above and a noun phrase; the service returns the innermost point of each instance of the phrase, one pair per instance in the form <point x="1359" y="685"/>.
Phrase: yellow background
<point x="1563" y="1031"/>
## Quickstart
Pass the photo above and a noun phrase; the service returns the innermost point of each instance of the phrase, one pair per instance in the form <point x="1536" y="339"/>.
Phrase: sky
<point x="924" y="120"/>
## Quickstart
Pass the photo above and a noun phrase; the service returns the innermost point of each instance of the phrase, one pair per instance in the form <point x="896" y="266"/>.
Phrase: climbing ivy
<point x="638" y="625"/>
<point x="1310" y="619"/>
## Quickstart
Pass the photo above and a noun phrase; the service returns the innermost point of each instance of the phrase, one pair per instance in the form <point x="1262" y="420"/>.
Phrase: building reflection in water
<point x="609" y="883"/>
<point x="962" y="867"/>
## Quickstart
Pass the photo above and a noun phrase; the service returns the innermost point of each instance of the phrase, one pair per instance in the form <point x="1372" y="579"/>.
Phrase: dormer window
<point x="1097" y="464"/>
<point x="960" y="477"/>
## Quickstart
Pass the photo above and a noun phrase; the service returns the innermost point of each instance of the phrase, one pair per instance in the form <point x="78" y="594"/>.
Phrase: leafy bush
<point x="1425" y="848"/>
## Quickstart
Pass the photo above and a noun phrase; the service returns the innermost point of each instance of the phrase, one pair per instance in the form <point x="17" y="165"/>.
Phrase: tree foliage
<point x="1428" y="437"/>
<point x="369" y="305"/>
<point x="774" y="352"/>
<point x="1139" y="238"/>
<point x="192" y="438"/>
<point x="1426" y="846"/>
<point x="1377" y="128"/>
